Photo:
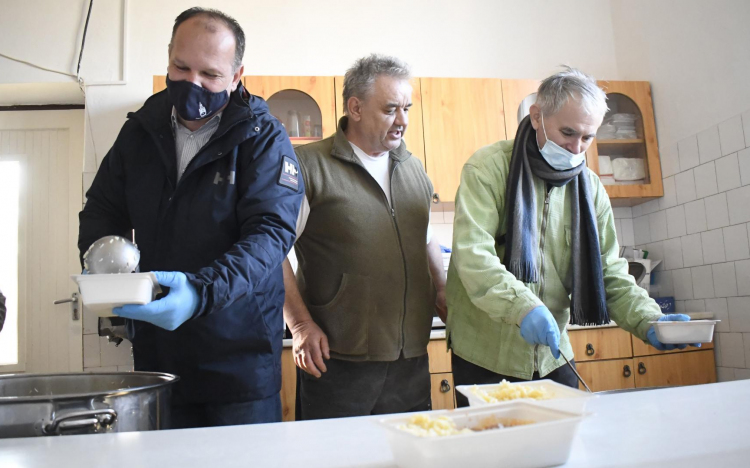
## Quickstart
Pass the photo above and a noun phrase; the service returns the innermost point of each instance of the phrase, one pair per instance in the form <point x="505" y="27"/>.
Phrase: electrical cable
<point x="83" y="39"/>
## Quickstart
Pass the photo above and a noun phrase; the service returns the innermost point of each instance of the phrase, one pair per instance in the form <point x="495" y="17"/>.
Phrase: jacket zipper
<point x="398" y="236"/>
<point x="403" y="257"/>
<point x="541" y="263"/>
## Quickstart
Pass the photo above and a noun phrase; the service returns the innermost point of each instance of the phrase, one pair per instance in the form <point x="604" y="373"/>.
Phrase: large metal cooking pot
<point x="57" y="404"/>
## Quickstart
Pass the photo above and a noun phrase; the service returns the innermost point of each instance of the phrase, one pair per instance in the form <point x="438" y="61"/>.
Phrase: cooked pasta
<point x="505" y="391"/>
<point x="423" y="426"/>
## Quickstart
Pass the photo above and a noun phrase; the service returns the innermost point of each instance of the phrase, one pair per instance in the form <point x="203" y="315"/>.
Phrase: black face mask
<point x="193" y="102"/>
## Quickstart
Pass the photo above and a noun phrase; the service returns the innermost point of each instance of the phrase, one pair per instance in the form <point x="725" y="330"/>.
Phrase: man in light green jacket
<point x="534" y="247"/>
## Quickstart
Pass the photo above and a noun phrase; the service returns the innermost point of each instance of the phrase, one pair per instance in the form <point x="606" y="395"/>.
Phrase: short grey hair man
<point x="555" y="91"/>
<point x="360" y="78"/>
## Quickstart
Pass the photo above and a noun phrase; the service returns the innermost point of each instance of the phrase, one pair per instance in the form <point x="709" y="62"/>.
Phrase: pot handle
<point x="78" y="419"/>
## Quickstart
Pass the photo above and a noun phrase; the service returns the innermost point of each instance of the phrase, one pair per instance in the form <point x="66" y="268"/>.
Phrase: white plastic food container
<point x="101" y="293"/>
<point x="562" y="397"/>
<point x="546" y="442"/>
<point x="694" y="331"/>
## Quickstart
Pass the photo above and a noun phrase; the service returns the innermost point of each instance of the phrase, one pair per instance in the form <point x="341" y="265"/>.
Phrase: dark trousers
<point x="467" y="373"/>
<point x="361" y="388"/>
<point x="267" y="410"/>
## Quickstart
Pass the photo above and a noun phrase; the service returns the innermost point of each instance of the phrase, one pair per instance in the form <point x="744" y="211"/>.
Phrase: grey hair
<point x="555" y="91"/>
<point x="360" y="78"/>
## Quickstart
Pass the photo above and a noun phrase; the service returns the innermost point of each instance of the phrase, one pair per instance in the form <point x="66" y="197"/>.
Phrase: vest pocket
<point x="345" y="318"/>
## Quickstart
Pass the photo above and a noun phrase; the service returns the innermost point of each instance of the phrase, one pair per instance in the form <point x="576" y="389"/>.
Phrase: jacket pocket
<point x="344" y="319"/>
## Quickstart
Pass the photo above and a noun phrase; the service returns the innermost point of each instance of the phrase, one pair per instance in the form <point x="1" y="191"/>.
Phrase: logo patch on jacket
<point x="289" y="176"/>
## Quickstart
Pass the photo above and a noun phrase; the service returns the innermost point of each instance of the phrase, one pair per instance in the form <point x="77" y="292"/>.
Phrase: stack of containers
<point x="606" y="173"/>
<point x="618" y="127"/>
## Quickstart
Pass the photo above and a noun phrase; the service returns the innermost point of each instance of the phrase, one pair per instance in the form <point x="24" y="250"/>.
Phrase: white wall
<point x="694" y="53"/>
<point x="474" y="38"/>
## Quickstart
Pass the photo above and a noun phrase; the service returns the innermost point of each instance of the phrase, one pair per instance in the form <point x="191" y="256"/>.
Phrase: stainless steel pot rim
<point x="168" y="379"/>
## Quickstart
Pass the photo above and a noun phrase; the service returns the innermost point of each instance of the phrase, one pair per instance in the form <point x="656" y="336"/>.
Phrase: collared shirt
<point x="187" y="143"/>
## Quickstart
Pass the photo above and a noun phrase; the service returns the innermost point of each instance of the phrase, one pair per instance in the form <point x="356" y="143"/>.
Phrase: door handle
<point x="590" y="349"/>
<point x="641" y="368"/>
<point x="74" y="304"/>
<point x="626" y="371"/>
<point x="436" y="198"/>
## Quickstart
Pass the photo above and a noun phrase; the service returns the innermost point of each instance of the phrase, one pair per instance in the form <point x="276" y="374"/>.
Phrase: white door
<point x="41" y="159"/>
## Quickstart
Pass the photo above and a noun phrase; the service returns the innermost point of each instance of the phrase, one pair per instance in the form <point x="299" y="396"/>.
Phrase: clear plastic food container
<point x="694" y="331"/>
<point x="562" y="397"/>
<point x="519" y="446"/>
<point x="101" y="293"/>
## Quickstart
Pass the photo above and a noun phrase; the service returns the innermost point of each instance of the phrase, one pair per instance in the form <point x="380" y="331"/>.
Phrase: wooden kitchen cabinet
<point x="595" y="344"/>
<point x="288" y="385"/>
<point x="514" y="92"/>
<point x="319" y="89"/>
<point x="631" y="97"/>
<point x="460" y="115"/>
<point x="414" y="135"/>
<point x="611" y="359"/>
<point x="443" y="393"/>
<point x="669" y="370"/>
<point x="607" y="375"/>
<point x="642" y="349"/>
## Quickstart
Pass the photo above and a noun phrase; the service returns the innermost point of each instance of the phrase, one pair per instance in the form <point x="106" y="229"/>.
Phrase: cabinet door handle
<point x="641" y="368"/>
<point x="590" y="349"/>
<point x="626" y="371"/>
<point x="445" y="387"/>
<point x="436" y="198"/>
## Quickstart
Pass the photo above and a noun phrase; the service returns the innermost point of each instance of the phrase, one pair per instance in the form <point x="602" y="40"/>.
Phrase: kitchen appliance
<point x="81" y="403"/>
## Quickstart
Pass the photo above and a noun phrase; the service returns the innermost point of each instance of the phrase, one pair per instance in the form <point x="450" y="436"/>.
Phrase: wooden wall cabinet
<point x="460" y="115"/>
<point x="631" y="97"/>
<point x="319" y="88"/>
<point x="612" y="359"/>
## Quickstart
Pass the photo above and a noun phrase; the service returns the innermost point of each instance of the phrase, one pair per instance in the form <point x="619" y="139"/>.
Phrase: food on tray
<point x="494" y="422"/>
<point x="423" y="426"/>
<point x="505" y="391"/>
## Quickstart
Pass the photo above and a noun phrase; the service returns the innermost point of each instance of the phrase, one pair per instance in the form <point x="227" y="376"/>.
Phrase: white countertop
<point x="706" y="425"/>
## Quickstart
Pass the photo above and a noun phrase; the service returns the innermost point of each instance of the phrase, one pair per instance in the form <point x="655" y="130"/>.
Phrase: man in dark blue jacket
<point x="209" y="181"/>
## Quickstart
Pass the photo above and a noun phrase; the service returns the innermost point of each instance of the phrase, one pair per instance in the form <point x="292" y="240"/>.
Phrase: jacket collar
<point x="343" y="150"/>
<point x="156" y="112"/>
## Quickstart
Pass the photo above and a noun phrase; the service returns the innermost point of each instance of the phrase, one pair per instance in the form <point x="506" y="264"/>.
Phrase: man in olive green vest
<point x="361" y="308"/>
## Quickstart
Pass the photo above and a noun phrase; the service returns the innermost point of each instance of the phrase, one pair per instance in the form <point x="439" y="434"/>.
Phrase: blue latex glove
<point x="651" y="335"/>
<point x="168" y="312"/>
<point x="540" y="327"/>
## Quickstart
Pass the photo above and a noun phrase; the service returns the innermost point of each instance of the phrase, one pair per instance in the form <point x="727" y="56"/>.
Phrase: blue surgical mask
<point x="193" y="102"/>
<point x="558" y="157"/>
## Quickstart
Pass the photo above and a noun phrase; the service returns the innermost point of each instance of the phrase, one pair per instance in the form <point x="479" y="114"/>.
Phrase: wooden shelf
<point x="637" y="141"/>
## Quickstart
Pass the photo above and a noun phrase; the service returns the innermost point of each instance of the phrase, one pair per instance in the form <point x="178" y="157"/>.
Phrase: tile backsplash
<point x="705" y="248"/>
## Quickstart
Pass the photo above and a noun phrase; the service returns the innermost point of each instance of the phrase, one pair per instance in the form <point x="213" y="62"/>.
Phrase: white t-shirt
<point x="379" y="168"/>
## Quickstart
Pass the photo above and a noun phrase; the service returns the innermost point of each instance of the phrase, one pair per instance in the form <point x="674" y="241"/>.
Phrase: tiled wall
<point x="700" y="231"/>
<point x="99" y="355"/>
